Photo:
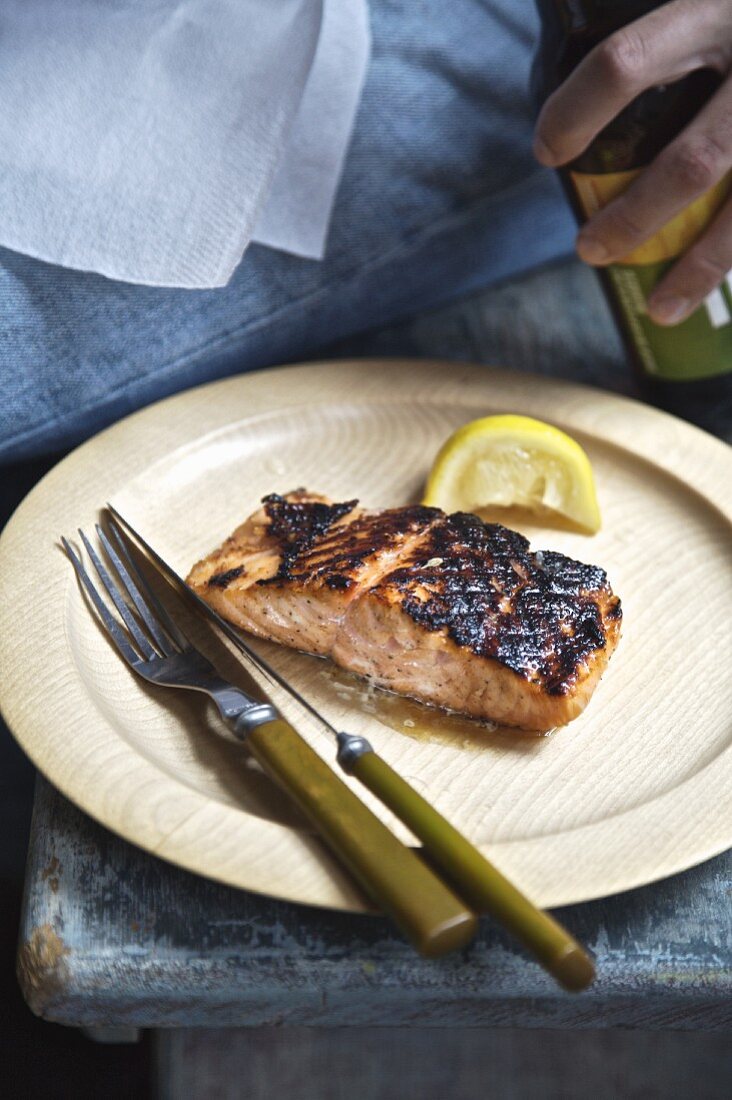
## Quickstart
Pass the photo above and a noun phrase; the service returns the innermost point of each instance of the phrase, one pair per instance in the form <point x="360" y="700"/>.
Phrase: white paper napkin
<point x="148" y="139"/>
<point x="297" y="211"/>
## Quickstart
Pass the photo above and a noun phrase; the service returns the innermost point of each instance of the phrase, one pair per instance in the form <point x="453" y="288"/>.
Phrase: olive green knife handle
<point x="482" y="886"/>
<point x="392" y="874"/>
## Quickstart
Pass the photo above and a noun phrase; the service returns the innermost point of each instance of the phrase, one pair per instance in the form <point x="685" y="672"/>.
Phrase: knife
<point x="476" y="880"/>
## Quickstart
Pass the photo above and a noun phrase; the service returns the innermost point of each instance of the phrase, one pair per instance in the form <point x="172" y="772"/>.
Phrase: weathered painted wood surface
<point x="113" y="936"/>
<point x="440" y="1064"/>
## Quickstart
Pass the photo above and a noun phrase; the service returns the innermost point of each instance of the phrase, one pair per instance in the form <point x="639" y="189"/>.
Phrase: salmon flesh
<point x="443" y="608"/>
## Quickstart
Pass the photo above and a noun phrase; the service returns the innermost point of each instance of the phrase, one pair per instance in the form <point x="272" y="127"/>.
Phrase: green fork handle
<point x="429" y="913"/>
<point x="481" y="885"/>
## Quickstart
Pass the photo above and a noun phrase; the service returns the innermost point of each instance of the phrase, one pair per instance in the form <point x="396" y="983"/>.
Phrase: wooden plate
<point x="637" y="788"/>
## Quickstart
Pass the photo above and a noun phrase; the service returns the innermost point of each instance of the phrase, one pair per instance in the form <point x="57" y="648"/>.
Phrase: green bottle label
<point x="701" y="346"/>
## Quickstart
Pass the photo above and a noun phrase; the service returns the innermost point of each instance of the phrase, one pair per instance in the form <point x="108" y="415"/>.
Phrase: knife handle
<point x="482" y="886"/>
<point x="427" y="911"/>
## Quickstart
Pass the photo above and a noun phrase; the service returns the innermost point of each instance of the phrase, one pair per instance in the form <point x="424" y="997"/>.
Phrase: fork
<point x="477" y="881"/>
<point x="146" y="636"/>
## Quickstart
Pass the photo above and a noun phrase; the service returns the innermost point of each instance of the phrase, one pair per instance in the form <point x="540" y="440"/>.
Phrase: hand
<point x="659" y="48"/>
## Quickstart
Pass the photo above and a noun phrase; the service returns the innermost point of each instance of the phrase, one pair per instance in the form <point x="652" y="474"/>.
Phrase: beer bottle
<point x="686" y="368"/>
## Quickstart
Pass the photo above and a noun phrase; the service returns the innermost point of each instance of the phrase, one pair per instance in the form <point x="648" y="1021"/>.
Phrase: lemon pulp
<point x="514" y="461"/>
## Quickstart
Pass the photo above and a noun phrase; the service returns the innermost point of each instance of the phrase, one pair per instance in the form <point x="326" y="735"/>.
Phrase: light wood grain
<point x="637" y="788"/>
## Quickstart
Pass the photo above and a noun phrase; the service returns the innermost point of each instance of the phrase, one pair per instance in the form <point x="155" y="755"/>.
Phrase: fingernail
<point x="543" y="153"/>
<point x="669" y="311"/>
<point x="591" y="250"/>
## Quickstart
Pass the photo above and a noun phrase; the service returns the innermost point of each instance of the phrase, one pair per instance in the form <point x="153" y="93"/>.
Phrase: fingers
<point x="690" y="166"/>
<point x="660" y="47"/>
<point x="696" y="275"/>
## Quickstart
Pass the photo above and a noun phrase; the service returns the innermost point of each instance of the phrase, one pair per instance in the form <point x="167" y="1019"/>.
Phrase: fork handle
<point x="483" y="886"/>
<point x="392" y="874"/>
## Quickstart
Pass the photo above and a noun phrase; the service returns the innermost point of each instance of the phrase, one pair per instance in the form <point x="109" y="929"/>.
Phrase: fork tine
<point x="160" y="642"/>
<point x="109" y="622"/>
<point x="119" y="523"/>
<point x="143" y="643"/>
<point x="138" y="586"/>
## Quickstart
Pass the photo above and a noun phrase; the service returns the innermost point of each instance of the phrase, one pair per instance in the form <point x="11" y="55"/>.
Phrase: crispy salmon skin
<point x="447" y="609"/>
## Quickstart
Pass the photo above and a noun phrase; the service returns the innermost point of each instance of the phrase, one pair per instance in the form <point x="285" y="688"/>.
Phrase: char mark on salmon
<point x="448" y="609"/>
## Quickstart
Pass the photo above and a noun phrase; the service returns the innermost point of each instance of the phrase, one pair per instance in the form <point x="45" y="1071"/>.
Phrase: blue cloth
<point x="440" y="196"/>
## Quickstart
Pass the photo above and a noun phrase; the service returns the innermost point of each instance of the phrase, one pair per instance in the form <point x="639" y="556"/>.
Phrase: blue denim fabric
<point x="440" y="196"/>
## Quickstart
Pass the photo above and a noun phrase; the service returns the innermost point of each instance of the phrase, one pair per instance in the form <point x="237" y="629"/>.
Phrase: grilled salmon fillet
<point x="447" y="609"/>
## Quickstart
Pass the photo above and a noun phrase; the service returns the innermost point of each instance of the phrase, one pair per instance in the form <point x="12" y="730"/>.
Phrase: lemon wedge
<point x="514" y="461"/>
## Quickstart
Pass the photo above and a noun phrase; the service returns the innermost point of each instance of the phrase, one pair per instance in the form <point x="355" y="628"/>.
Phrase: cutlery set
<point x="433" y="893"/>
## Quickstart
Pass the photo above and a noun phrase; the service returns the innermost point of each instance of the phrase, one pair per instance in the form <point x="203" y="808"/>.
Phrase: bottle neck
<point x="569" y="30"/>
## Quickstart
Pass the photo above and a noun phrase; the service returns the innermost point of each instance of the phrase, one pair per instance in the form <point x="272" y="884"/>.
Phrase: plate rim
<point x="617" y="423"/>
